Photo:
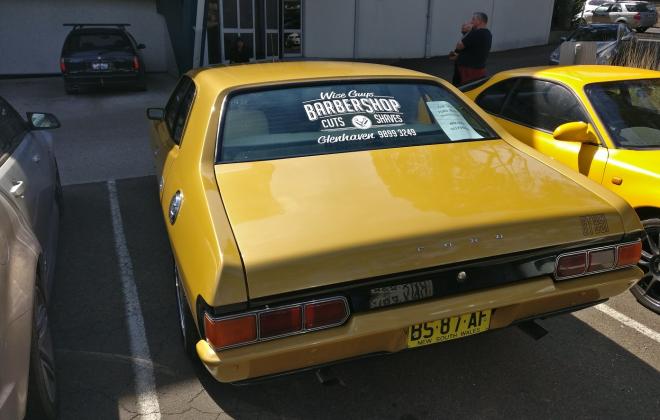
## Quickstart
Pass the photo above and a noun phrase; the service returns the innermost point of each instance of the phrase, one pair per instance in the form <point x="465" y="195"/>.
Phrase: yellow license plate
<point x="448" y="329"/>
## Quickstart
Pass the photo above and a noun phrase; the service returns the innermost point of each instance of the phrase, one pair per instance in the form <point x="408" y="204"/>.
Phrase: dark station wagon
<point x="99" y="55"/>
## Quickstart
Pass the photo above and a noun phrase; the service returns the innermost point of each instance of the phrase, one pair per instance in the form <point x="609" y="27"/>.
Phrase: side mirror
<point x="579" y="132"/>
<point x="141" y="46"/>
<point x="156" y="114"/>
<point x="42" y="121"/>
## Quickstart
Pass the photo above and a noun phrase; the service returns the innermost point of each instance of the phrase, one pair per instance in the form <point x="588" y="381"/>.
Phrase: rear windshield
<point x="323" y="119"/>
<point x="98" y="41"/>
<point x="640" y="7"/>
<point x="630" y="110"/>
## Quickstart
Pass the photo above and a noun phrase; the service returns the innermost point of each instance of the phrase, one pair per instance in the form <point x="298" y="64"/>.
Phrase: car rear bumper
<point x="103" y="79"/>
<point x="385" y="330"/>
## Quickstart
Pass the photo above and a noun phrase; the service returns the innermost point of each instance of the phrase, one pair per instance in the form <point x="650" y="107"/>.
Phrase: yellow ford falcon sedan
<point x="322" y="211"/>
<point x="599" y="120"/>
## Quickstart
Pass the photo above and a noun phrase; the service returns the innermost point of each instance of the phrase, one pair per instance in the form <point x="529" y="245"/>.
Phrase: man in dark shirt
<point x="472" y="51"/>
<point x="239" y="52"/>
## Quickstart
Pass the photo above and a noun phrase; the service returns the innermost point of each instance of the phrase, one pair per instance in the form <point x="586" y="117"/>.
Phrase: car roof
<point x="97" y="30"/>
<point x="581" y="74"/>
<point x="226" y="77"/>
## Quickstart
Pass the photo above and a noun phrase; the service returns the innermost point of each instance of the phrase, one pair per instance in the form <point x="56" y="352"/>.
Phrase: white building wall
<point x="446" y="20"/>
<point x="391" y="28"/>
<point x="31" y="31"/>
<point x="520" y="23"/>
<point x="398" y="28"/>
<point x="328" y="28"/>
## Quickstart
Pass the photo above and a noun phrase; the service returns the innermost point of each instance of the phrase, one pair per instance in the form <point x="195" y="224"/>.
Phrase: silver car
<point x="605" y="34"/>
<point x="29" y="219"/>
<point x="638" y="15"/>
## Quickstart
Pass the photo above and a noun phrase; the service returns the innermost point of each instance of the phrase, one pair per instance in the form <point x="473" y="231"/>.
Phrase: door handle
<point x="17" y="189"/>
<point x="36" y="158"/>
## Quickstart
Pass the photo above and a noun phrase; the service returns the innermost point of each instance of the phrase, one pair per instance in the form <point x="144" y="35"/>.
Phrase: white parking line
<point x="629" y="322"/>
<point x="145" y="388"/>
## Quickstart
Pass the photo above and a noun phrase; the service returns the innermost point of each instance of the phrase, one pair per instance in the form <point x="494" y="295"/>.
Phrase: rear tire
<point x="58" y="187"/>
<point x="69" y="88"/>
<point x="189" y="334"/>
<point x="647" y="290"/>
<point x="42" y="389"/>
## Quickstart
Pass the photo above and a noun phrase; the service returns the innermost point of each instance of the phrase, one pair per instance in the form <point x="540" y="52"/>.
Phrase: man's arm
<point x="466" y="42"/>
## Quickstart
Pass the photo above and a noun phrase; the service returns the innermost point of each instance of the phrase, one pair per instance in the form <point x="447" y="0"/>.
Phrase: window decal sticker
<point x="353" y="110"/>
<point x="451" y="121"/>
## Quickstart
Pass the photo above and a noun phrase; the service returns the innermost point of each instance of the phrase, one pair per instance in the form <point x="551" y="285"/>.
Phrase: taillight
<point x="596" y="260"/>
<point x="325" y="314"/>
<point x="268" y="324"/>
<point x="136" y="63"/>
<point x="230" y="332"/>
<point x="602" y="259"/>
<point x="572" y="265"/>
<point x="62" y="65"/>
<point x="638" y="16"/>
<point x="629" y="254"/>
<point x="280" y="322"/>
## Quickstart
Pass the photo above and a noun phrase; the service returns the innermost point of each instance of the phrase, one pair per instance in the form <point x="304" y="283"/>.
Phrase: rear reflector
<point x="231" y="331"/>
<point x="602" y="259"/>
<point x="629" y="254"/>
<point x="572" y="265"/>
<point x="280" y="322"/>
<point x="325" y="314"/>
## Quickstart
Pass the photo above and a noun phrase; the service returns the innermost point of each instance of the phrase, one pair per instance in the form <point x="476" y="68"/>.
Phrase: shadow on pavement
<point x="575" y="371"/>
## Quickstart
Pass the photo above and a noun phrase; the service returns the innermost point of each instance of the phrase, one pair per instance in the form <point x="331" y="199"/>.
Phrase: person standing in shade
<point x="456" y="79"/>
<point x="472" y="51"/>
<point x="239" y="53"/>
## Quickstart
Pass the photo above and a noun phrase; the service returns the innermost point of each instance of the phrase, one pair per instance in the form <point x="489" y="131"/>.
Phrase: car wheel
<point x="42" y="388"/>
<point x="58" y="187"/>
<point x="69" y="88"/>
<point x="189" y="333"/>
<point x="141" y="84"/>
<point x="647" y="290"/>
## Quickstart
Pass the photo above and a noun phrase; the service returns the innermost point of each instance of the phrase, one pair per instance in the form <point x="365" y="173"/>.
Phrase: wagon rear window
<point x="98" y="41"/>
<point x="323" y="119"/>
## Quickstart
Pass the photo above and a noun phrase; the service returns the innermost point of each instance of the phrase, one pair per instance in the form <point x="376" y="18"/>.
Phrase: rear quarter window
<point x="492" y="99"/>
<point x="304" y="120"/>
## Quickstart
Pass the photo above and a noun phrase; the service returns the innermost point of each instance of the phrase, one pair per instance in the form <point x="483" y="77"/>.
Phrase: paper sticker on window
<point x="451" y="121"/>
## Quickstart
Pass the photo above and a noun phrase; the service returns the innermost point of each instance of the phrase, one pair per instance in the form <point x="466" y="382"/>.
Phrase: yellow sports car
<point x="601" y="121"/>
<point x="322" y="211"/>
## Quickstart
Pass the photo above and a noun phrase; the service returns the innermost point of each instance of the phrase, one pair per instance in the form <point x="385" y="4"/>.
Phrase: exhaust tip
<point x="532" y="329"/>
<point x="327" y="378"/>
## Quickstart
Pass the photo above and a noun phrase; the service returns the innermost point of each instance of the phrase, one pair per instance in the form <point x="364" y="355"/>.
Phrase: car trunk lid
<point x="315" y="221"/>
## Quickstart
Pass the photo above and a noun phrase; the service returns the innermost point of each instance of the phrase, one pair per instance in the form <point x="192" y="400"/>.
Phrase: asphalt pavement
<point x="593" y="364"/>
